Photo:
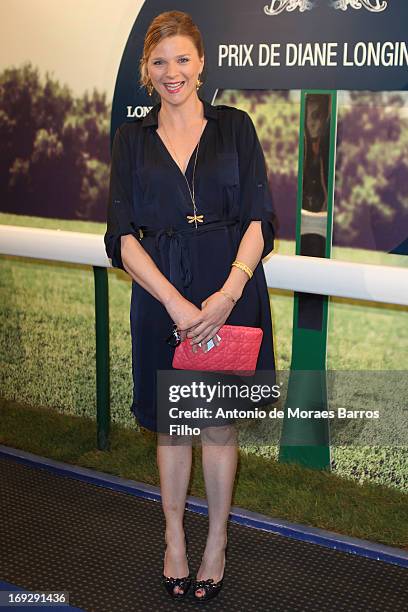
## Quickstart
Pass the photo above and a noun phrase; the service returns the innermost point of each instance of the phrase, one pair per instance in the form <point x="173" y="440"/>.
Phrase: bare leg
<point x="174" y="463"/>
<point x="219" y="449"/>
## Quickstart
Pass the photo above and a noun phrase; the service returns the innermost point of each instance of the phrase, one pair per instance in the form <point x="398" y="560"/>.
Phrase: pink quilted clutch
<point x="237" y="352"/>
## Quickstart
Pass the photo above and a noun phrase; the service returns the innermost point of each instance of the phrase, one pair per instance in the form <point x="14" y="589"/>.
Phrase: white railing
<point x="370" y="282"/>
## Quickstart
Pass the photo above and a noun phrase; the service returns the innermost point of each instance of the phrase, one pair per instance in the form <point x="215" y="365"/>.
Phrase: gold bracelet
<point x="242" y="266"/>
<point x="228" y="295"/>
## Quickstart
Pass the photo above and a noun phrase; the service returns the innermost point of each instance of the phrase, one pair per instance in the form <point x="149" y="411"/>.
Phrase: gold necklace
<point x="190" y="218"/>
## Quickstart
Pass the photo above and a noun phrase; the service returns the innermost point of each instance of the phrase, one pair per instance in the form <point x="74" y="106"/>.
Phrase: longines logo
<point x="275" y="7"/>
<point x="137" y="111"/>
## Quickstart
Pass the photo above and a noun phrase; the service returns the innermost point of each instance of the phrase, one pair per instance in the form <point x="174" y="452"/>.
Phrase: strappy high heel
<point x="211" y="588"/>
<point x="183" y="583"/>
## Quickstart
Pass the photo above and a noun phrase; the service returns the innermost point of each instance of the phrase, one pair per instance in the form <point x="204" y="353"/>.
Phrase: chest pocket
<point x="143" y="182"/>
<point x="140" y="177"/>
<point x="228" y="169"/>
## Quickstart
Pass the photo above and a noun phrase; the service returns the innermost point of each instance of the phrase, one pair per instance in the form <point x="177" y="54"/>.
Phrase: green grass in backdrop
<point x="47" y="355"/>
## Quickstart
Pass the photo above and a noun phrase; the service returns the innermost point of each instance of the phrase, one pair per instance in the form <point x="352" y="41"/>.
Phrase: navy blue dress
<point x="149" y="192"/>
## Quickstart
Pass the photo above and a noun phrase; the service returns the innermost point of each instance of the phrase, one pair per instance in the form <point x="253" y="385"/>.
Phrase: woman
<point x="315" y="176"/>
<point x="188" y="196"/>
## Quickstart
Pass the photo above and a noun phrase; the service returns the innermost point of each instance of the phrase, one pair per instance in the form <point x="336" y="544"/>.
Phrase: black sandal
<point x="170" y="583"/>
<point x="183" y="583"/>
<point x="211" y="589"/>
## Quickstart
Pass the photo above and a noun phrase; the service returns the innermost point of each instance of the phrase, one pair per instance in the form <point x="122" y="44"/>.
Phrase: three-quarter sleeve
<point x="120" y="216"/>
<point x="256" y="199"/>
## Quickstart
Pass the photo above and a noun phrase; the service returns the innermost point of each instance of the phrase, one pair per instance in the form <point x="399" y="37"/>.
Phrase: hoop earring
<point x="199" y="82"/>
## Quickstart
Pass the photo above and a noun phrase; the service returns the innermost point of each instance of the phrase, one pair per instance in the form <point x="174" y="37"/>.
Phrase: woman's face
<point x="314" y="120"/>
<point x="174" y="66"/>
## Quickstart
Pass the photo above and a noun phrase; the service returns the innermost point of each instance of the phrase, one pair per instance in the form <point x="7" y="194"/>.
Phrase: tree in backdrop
<point x="54" y="148"/>
<point x="371" y="198"/>
<point x="55" y="155"/>
<point x="372" y="171"/>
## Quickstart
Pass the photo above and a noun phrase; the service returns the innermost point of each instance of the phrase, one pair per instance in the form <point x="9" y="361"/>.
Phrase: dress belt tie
<point x="179" y="257"/>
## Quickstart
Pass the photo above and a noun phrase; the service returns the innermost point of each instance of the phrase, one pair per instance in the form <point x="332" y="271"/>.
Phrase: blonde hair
<point x="170" y="23"/>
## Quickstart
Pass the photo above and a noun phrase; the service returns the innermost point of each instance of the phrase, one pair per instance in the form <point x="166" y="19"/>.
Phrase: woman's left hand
<point x="215" y="310"/>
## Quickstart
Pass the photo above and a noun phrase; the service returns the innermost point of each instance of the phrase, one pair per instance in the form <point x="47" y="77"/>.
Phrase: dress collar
<point x="210" y="112"/>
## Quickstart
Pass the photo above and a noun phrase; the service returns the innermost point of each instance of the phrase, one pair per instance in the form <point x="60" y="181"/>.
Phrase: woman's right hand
<point x="184" y="313"/>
